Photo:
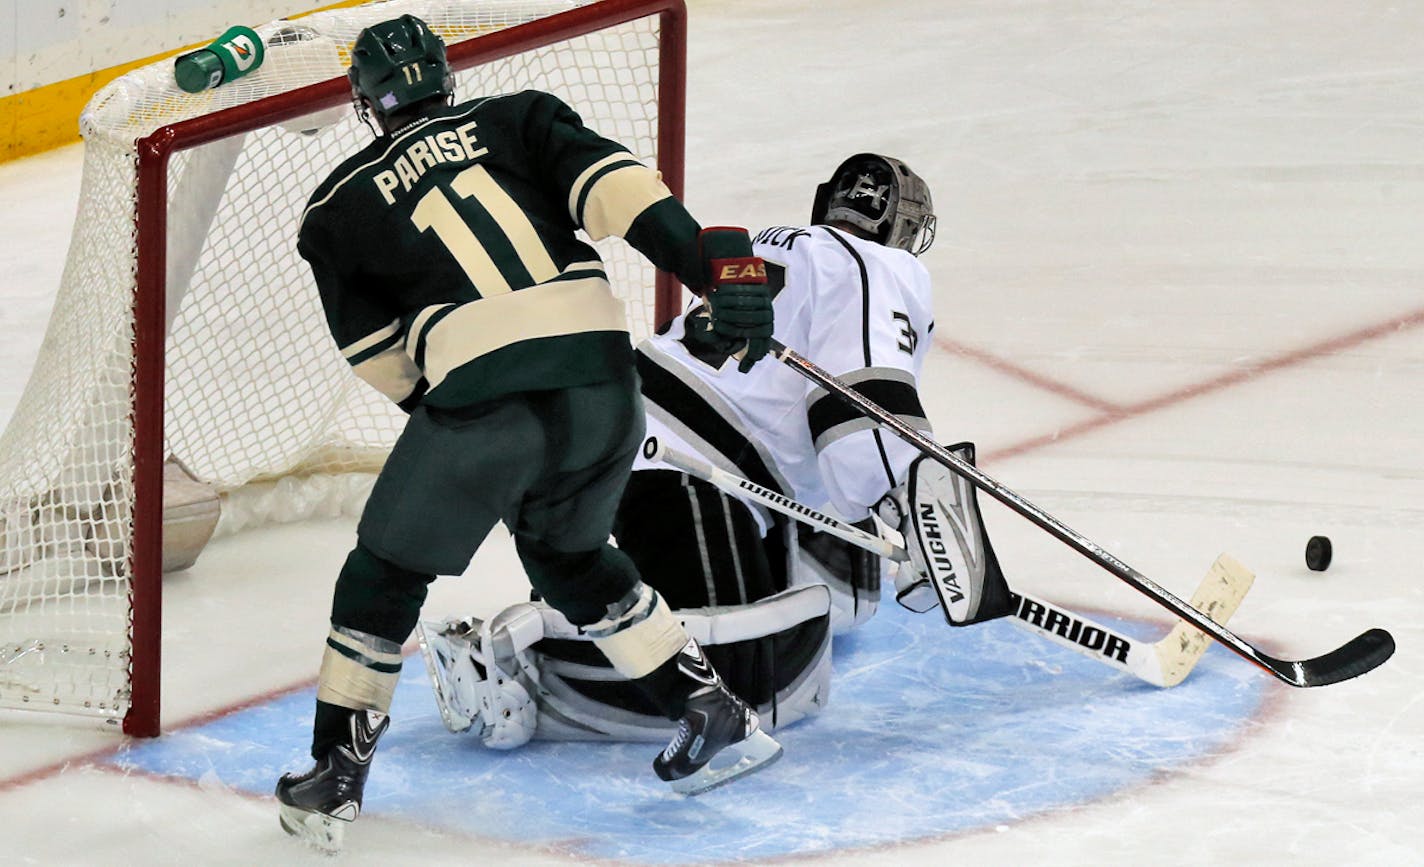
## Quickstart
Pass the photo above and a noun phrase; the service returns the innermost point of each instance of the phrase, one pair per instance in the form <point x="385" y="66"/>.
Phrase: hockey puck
<point x="1317" y="553"/>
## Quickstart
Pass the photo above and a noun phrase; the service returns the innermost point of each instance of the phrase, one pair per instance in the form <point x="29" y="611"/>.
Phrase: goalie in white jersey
<point x="762" y="594"/>
<point x="848" y="292"/>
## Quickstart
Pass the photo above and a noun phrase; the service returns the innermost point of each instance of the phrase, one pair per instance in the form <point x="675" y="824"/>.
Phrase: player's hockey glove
<point x="738" y="298"/>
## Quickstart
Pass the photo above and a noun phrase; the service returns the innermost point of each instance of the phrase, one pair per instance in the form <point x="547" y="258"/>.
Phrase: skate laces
<point x="679" y="740"/>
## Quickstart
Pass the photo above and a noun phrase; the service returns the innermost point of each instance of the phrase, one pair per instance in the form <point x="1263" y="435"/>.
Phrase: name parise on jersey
<point x="447" y="258"/>
<point x="425" y="152"/>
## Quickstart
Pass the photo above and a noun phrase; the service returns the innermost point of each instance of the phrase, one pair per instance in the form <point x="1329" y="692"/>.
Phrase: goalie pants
<point x="698" y="548"/>
<point x="701" y="549"/>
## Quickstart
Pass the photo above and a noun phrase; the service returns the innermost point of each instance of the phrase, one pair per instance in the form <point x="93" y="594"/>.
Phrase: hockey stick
<point x="1362" y="653"/>
<point x="1163" y="663"/>
<point x="654" y="450"/>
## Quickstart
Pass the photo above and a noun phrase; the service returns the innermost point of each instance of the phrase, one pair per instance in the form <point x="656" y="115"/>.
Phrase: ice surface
<point x="1178" y="296"/>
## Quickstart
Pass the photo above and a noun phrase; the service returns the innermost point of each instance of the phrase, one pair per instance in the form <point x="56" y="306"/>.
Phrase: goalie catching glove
<point x="738" y="299"/>
<point x="951" y="561"/>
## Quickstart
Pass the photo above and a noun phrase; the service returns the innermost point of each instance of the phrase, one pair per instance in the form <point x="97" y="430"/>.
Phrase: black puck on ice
<point x="1317" y="553"/>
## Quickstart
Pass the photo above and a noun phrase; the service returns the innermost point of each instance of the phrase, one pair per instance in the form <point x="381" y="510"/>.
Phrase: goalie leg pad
<point x="484" y="676"/>
<point x="449" y="656"/>
<point x="535" y="649"/>
<point x="783" y="642"/>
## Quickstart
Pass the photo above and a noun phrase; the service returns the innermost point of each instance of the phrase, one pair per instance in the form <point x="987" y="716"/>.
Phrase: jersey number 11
<point x="436" y="211"/>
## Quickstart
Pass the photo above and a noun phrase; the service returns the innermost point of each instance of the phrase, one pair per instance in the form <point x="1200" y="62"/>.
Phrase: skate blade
<point x="732" y="763"/>
<point x="317" y="830"/>
<point x="437" y="650"/>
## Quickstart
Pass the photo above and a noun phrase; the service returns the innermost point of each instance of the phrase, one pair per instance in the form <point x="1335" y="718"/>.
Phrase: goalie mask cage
<point x="188" y="332"/>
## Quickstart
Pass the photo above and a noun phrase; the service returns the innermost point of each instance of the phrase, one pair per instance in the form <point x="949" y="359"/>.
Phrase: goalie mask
<point x="882" y="197"/>
<point x="396" y="64"/>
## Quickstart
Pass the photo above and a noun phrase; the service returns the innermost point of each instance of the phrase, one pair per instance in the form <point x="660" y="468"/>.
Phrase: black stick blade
<point x="1365" y="652"/>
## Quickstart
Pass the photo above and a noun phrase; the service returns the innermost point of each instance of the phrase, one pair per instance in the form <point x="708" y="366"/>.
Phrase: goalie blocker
<point x="954" y="565"/>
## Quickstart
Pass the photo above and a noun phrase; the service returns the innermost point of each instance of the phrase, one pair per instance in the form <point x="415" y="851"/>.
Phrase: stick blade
<point x="1365" y="652"/>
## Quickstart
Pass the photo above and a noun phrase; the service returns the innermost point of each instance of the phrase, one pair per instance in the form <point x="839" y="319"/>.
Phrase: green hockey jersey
<point x="447" y="259"/>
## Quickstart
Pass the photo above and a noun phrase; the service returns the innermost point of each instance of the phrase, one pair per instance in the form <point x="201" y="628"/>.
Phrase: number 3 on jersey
<point x="909" y="339"/>
<point x="506" y="227"/>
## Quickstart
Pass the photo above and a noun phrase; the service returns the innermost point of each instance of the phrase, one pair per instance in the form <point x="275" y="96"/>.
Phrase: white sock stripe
<point x="641" y="647"/>
<point x="371" y="648"/>
<point x="638" y="605"/>
<point x="347" y="683"/>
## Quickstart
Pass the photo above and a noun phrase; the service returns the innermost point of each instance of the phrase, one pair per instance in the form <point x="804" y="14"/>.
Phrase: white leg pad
<point x="483" y="675"/>
<point x="455" y="658"/>
<point x="450" y="661"/>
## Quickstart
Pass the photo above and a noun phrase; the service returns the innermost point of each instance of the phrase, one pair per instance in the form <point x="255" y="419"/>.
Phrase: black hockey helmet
<point x="880" y="196"/>
<point x="396" y="64"/>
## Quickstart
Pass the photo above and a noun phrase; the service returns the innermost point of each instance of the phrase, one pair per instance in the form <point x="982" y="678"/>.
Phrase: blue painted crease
<point x="929" y="731"/>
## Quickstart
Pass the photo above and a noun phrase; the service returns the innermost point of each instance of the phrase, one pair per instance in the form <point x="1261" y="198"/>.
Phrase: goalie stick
<point x="1361" y="654"/>
<point x="1163" y="663"/>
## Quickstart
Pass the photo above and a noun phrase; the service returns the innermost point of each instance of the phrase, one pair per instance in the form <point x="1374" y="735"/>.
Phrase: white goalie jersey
<point x="862" y="311"/>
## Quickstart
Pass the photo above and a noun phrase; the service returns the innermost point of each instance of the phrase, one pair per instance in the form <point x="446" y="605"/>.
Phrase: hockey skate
<point x="317" y="806"/>
<point x="719" y="738"/>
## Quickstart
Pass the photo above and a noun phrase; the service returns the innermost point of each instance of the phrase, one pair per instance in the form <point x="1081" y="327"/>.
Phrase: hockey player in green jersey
<point x="453" y="281"/>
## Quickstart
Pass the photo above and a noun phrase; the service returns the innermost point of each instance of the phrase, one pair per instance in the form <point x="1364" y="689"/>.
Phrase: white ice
<point x="1180" y="291"/>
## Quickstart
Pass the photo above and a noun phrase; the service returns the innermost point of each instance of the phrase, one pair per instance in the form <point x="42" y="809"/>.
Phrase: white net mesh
<point x="255" y="387"/>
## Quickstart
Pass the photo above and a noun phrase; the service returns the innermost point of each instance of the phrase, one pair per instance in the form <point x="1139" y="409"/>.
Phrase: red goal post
<point x="196" y="373"/>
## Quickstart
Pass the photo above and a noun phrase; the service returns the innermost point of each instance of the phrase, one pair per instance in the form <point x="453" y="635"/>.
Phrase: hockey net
<point x="187" y="338"/>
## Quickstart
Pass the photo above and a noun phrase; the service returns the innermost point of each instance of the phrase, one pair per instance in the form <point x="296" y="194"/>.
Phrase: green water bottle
<point x="232" y="55"/>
